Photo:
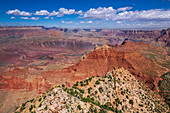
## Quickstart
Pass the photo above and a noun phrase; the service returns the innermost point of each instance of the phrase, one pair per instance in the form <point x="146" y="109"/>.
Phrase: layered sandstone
<point x="98" y="62"/>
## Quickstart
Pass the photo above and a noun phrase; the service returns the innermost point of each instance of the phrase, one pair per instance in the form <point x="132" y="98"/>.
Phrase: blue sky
<point x="86" y="13"/>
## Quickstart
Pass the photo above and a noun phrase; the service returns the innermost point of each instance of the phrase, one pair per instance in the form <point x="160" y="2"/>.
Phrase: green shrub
<point x="90" y="79"/>
<point x="63" y="85"/>
<point x="117" y="100"/>
<point x="82" y="84"/>
<point x="100" y="89"/>
<point x="140" y="105"/>
<point x="89" y="90"/>
<point x="22" y="108"/>
<point x="31" y="107"/>
<point x="82" y="91"/>
<point x="32" y="100"/>
<point x="45" y="107"/>
<point x="79" y="107"/>
<point x="131" y="101"/>
<point x="44" y="97"/>
<point x="51" y="89"/>
<point x="92" y="99"/>
<point x="97" y="82"/>
<point x="122" y="92"/>
<point x="39" y="99"/>
<point x="23" y="105"/>
<point x="87" y="83"/>
<point x="77" y="83"/>
<point x="40" y="105"/>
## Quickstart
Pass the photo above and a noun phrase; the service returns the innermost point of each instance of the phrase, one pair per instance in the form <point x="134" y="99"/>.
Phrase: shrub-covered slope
<point x="117" y="91"/>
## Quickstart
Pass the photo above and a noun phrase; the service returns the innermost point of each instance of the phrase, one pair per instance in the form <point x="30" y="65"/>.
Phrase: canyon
<point x="32" y="60"/>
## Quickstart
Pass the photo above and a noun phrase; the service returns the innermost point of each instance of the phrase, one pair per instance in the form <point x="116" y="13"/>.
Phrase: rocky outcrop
<point x="118" y="91"/>
<point x="98" y="63"/>
<point x="21" y="80"/>
<point x="105" y="58"/>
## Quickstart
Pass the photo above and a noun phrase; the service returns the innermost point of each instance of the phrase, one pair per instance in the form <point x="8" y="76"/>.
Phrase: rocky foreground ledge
<point x="117" y="91"/>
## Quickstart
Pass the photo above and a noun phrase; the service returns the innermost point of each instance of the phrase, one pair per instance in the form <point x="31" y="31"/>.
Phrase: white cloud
<point x="54" y="13"/>
<point x="25" y="18"/>
<point x="105" y="13"/>
<point x="100" y="13"/>
<point x="45" y="12"/>
<point x="52" y="18"/>
<point x="46" y="17"/>
<point x="18" y="13"/>
<point x="145" y="15"/>
<point x="119" y="22"/>
<point x="32" y="18"/>
<point x="69" y="22"/>
<point x="124" y="8"/>
<point x="66" y="11"/>
<point x="80" y="12"/>
<point x="112" y="14"/>
<point x="42" y="12"/>
<point x="63" y="11"/>
<point x="60" y="13"/>
<point x="89" y="22"/>
<point x="12" y="17"/>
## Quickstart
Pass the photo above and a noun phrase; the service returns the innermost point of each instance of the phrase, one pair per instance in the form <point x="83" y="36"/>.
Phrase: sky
<point x="115" y="14"/>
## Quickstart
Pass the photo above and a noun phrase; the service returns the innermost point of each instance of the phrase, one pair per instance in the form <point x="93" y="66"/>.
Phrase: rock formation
<point x="98" y="94"/>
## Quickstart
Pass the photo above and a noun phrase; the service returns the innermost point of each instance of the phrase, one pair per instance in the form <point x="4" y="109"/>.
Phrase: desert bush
<point x="100" y="89"/>
<point x="131" y="102"/>
<point x="89" y="89"/>
<point x="45" y="107"/>
<point x="79" y="107"/>
<point x="31" y="107"/>
<point x="97" y="82"/>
